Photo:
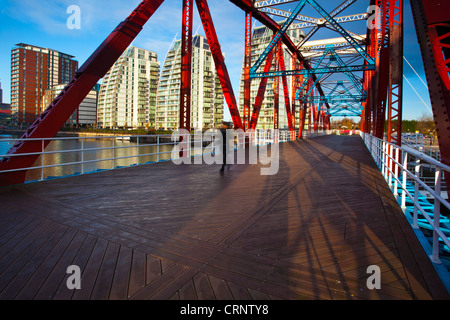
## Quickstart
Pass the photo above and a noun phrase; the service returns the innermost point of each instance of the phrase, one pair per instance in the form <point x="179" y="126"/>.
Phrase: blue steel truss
<point x="310" y="72"/>
<point x="370" y="62"/>
<point x="341" y="101"/>
<point x="278" y="36"/>
<point x="334" y="57"/>
<point x="334" y="99"/>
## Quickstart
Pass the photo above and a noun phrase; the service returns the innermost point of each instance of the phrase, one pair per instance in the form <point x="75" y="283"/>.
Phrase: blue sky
<point x="43" y="23"/>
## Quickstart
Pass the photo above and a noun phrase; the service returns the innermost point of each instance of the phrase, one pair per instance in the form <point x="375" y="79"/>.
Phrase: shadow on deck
<point x="163" y="231"/>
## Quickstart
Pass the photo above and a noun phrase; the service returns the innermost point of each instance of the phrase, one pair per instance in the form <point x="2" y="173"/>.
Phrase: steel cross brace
<point x="310" y="72"/>
<point x="281" y="32"/>
<point x="331" y="99"/>
<point x="334" y="13"/>
<point x="343" y="32"/>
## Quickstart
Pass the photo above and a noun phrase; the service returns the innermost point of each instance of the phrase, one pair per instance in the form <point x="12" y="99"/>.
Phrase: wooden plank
<point x="22" y="267"/>
<point x="119" y="287"/>
<point x="154" y="269"/>
<point x="187" y="292"/>
<point x="81" y="259"/>
<point x="105" y="276"/>
<point x="220" y="288"/>
<point x="20" y="241"/>
<point x="89" y="273"/>
<point x="203" y="287"/>
<point x="157" y="284"/>
<point x="138" y="273"/>
<point x="53" y="268"/>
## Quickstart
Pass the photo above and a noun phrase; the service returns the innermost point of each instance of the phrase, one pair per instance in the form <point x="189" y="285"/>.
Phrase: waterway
<point x="97" y="155"/>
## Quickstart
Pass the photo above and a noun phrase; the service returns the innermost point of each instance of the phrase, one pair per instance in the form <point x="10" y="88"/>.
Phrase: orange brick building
<point x="33" y="71"/>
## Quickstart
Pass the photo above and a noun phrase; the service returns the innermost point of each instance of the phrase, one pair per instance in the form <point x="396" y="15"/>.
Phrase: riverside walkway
<point x="163" y="231"/>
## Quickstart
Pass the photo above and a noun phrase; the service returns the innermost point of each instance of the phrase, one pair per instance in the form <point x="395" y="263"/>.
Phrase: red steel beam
<point x="287" y="102"/>
<point x="276" y="88"/>
<point x="186" y="65"/>
<point x="395" y="89"/>
<point x="260" y="95"/>
<point x="303" y="113"/>
<point x="296" y="82"/>
<point x="366" y="116"/>
<point x="247" y="67"/>
<point x="53" y="118"/>
<point x="224" y="78"/>
<point x="382" y="69"/>
<point x="433" y="32"/>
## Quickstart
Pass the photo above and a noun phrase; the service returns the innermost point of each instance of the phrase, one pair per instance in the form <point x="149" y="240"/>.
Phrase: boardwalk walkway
<point x="163" y="231"/>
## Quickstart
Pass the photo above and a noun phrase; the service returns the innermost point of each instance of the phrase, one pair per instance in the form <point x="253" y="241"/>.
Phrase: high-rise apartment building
<point x="127" y="97"/>
<point x="34" y="70"/>
<point x="207" y="99"/>
<point x="86" y="113"/>
<point x="261" y="38"/>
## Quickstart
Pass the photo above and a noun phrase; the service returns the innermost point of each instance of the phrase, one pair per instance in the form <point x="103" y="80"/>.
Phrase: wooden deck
<point x="164" y="232"/>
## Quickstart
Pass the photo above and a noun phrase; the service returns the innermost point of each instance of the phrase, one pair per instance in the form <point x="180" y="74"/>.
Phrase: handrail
<point x="393" y="162"/>
<point x="139" y="142"/>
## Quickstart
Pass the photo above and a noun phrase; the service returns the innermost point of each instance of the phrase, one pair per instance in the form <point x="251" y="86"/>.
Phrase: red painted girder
<point x="224" y="78"/>
<point x="287" y="102"/>
<point x="366" y="118"/>
<point x="186" y="65"/>
<point x="247" y="67"/>
<point x="303" y="113"/>
<point x="53" y="118"/>
<point x="432" y="24"/>
<point x="276" y="88"/>
<point x="302" y="120"/>
<point x="260" y="95"/>
<point x="395" y="90"/>
<point x="296" y="81"/>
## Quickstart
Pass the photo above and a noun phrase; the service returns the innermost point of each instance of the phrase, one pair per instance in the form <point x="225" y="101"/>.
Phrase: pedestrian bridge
<point x="166" y="231"/>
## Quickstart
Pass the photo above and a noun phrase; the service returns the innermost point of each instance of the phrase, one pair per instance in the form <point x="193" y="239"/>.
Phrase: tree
<point x="426" y="125"/>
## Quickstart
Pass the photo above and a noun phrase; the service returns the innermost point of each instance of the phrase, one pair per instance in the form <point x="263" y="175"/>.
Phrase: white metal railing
<point x="67" y="156"/>
<point x="400" y="167"/>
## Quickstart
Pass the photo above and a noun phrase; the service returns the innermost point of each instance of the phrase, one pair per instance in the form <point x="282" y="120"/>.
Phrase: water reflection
<point x="65" y="156"/>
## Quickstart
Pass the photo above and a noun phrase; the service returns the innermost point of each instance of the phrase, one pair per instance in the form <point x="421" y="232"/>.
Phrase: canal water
<point x="97" y="155"/>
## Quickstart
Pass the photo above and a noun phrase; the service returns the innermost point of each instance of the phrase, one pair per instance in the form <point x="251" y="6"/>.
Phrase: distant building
<point x="261" y="38"/>
<point x="33" y="71"/>
<point x="127" y="97"/>
<point x="207" y="99"/>
<point x="86" y="113"/>
<point x="5" y="108"/>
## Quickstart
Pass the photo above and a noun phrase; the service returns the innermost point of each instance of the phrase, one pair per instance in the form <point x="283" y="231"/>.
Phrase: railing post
<point x="137" y="151"/>
<point x="82" y="156"/>
<point x="157" y="148"/>
<point x="397" y="153"/>
<point x="383" y="160"/>
<point x="114" y="153"/>
<point x="416" y="193"/>
<point x="42" y="159"/>
<point x="405" y="167"/>
<point x="390" y="162"/>
<point x="437" y="214"/>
